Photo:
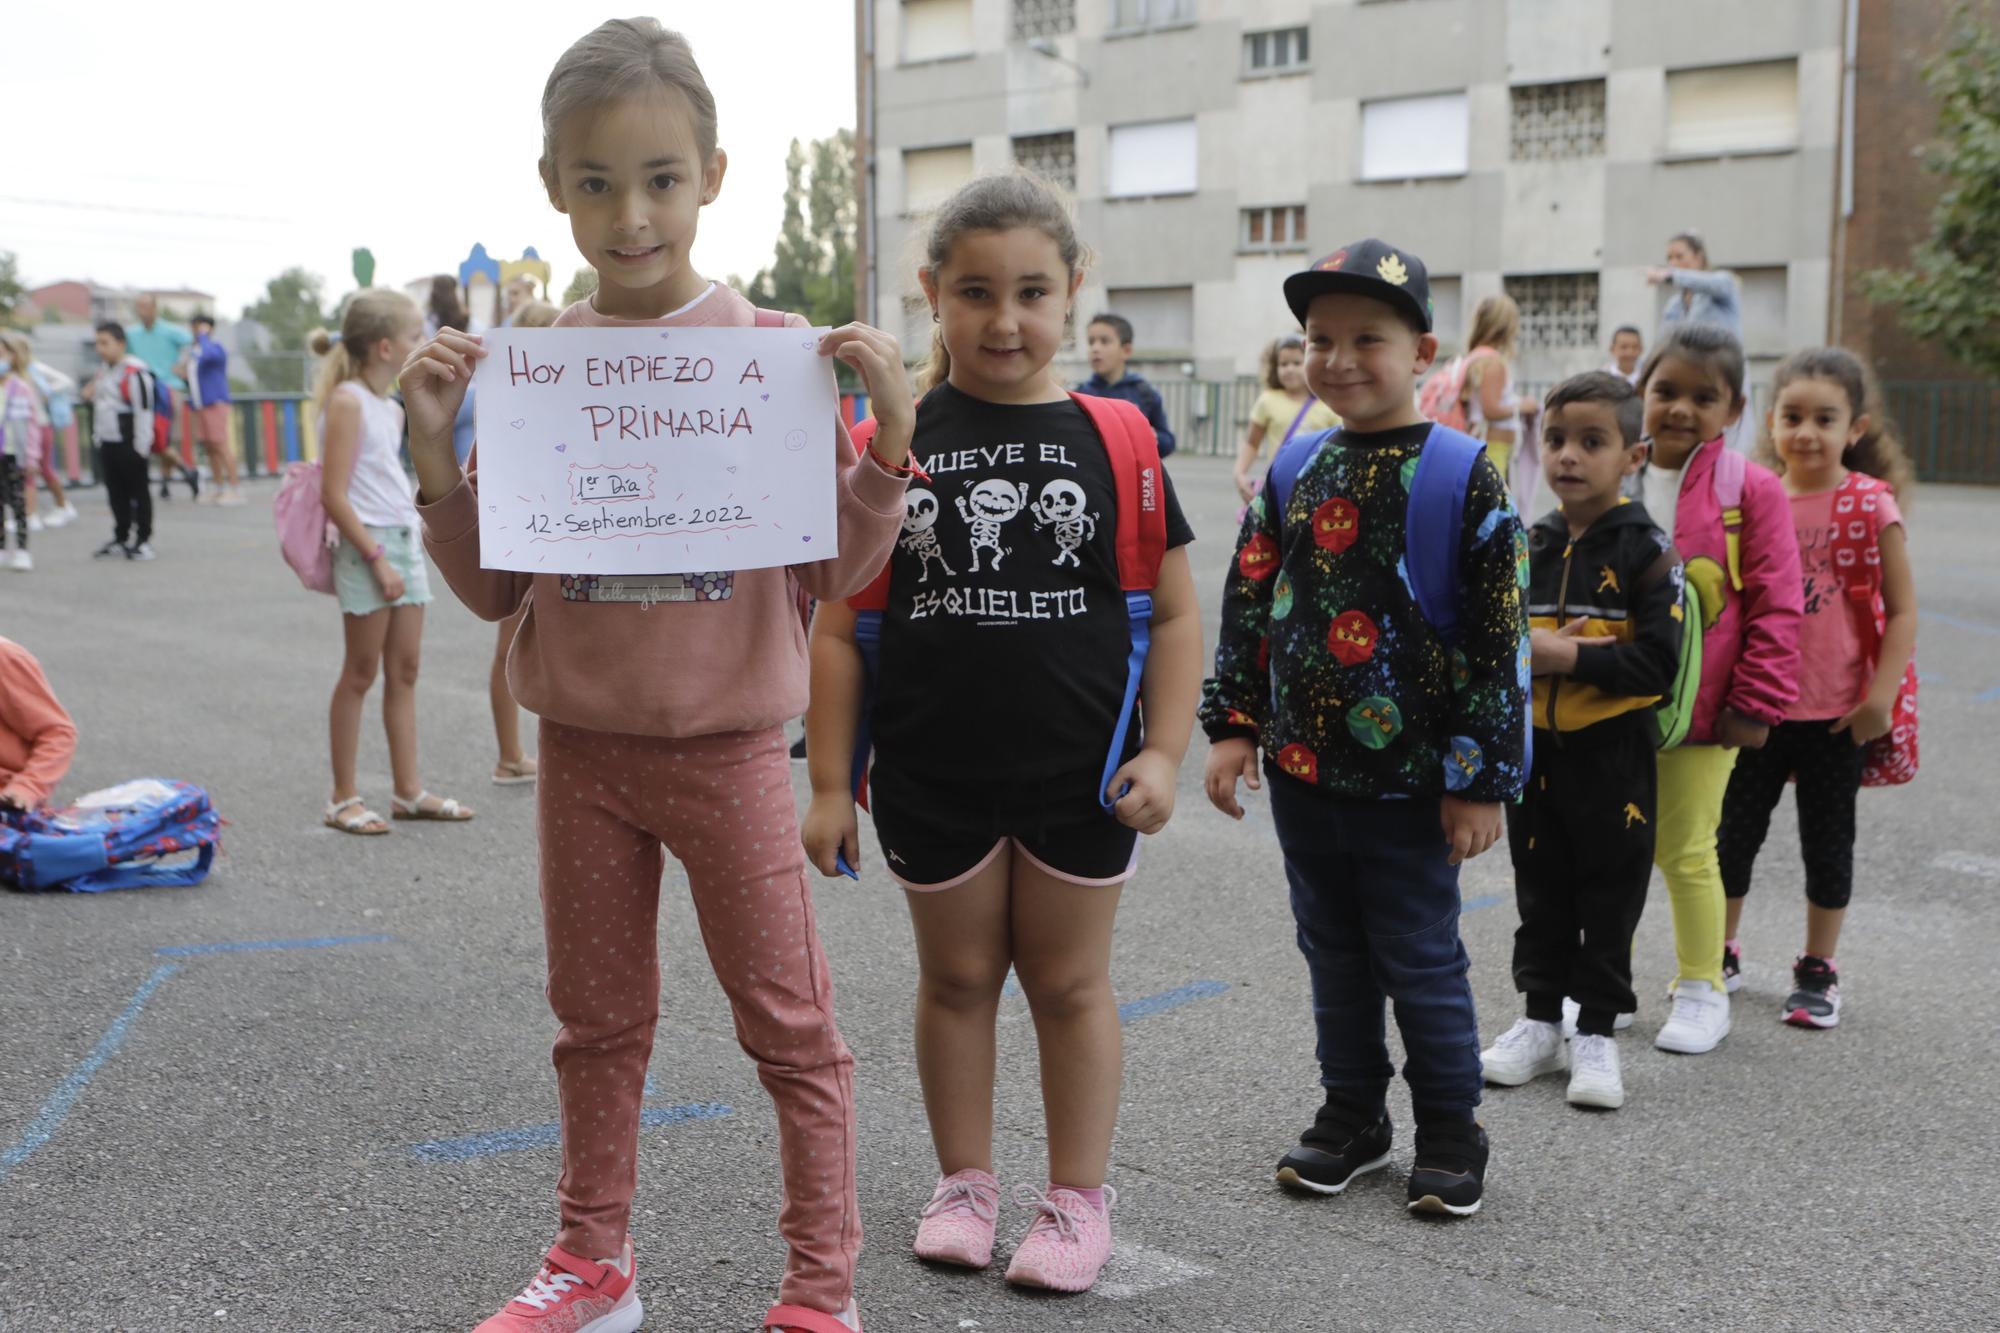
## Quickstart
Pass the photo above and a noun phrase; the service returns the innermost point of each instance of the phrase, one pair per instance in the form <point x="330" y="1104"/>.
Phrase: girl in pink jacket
<point x="1733" y="528"/>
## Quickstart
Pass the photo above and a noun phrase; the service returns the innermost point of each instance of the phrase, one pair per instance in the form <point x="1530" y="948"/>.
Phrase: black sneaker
<point x="1450" y="1171"/>
<point x="799" y="748"/>
<point x="110" y="548"/>
<point x="1815" y="998"/>
<point x="1345" y="1141"/>
<point x="1732" y="968"/>
<point x="165" y="494"/>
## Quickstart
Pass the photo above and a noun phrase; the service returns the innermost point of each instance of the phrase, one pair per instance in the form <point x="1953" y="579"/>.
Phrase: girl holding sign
<point x="662" y="718"/>
<point x="1012" y="778"/>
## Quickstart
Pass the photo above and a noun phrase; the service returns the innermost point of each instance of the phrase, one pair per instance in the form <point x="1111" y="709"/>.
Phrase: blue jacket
<point x="1138" y="391"/>
<point x="208" y="371"/>
<point x="1716" y="300"/>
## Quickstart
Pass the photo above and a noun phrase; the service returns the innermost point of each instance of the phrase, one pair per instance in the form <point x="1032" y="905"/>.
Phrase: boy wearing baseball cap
<point x="1385" y="680"/>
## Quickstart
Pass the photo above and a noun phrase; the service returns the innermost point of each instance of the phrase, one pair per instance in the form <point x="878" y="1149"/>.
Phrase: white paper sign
<point x="654" y="451"/>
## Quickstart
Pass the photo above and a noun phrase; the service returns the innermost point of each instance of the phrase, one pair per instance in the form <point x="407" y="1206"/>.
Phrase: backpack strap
<point x="1730" y="470"/>
<point x="1294" y="456"/>
<point x="1432" y="524"/>
<point x="1134" y="451"/>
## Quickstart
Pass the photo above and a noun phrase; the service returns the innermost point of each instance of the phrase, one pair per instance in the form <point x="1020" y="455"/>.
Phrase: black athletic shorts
<point x="938" y="836"/>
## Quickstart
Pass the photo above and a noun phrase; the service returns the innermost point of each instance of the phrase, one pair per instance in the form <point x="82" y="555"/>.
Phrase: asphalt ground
<point x="352" y="1131"/>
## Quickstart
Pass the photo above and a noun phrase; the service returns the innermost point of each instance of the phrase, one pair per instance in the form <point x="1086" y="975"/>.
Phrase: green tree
<point x="291" y="309"/>
<point x="1950" y="291"/>
<point x="12" y="289"/>
<point x="582" y="285"/>
<point x="812" y="270"/>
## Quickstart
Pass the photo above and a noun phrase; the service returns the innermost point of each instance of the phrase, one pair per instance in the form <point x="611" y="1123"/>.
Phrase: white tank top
<point x="379" y="489"/>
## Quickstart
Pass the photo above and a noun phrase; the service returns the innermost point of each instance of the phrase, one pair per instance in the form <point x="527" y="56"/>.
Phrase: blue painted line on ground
<point x="1958" y="622"/>
<point x="43" y="1127"/>
<point x="466" y="1148"/>
<point x="1480" y="903"/>
<point x="263" y="946"/>
<point x="1173" y="999"/>
<point x="1987" y="696"/>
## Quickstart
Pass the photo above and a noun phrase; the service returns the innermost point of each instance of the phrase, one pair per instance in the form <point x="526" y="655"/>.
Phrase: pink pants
<point x="723" y="806"/>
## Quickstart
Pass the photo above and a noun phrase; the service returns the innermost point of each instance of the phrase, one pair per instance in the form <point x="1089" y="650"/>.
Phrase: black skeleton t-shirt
<point x="1005" y="640"/>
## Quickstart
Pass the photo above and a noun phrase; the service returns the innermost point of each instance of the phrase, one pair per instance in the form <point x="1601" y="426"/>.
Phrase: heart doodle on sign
<point x="809" y="344"/>
<point x="732" y="471"/>
<point x="765" y="396"/>
<point x="492" y="509"/>
<point x="518" y="424"/>
<point x="562" y="448"/>
<point x="805" y="539"/>
<point x="663" y="335"/>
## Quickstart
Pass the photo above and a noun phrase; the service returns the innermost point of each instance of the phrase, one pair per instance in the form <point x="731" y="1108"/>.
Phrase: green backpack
<point x="1675" y="711"/>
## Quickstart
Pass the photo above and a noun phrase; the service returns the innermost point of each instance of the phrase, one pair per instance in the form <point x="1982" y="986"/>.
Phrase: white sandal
<point x="446" y="811"/>
<point x="357" y="823"/>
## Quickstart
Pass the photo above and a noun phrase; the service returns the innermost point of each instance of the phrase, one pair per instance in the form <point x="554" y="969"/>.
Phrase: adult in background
<point x="161" y="345"/>
<point x="208" y="396"/>
<point x="1701" y="295"/>
<point x="517" y="295"/>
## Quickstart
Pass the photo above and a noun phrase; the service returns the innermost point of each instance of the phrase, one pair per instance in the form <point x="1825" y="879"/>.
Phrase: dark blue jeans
<point x="1376" y="901"/>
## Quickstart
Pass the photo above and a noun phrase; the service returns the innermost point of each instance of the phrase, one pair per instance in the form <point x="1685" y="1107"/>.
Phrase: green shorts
<point x="354" y="584"/>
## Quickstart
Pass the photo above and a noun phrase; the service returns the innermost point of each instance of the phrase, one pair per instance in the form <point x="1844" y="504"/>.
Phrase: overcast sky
<point x="213" y="145"/>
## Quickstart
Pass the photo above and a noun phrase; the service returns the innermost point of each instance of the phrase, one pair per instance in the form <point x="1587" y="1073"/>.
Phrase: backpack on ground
<point x="1442" y="398"/>
<point x="1134" y="451"/>
<point x="140" y="383"/>
<point x="1891" y="760"/>
<point x="306" y="536"/>
<point x="147" y="833"/>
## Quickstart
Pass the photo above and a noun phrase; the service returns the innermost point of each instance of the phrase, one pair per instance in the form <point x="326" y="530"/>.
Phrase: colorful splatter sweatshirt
<point x="1325" y="660"/>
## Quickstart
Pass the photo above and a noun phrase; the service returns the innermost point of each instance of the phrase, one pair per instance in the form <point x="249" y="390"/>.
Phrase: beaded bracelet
<point x="909" y="469"/>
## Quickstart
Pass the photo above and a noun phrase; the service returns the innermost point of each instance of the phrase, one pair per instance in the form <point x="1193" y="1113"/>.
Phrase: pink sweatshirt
<point x="728" y="655"/>
<point x="37" y="739"/>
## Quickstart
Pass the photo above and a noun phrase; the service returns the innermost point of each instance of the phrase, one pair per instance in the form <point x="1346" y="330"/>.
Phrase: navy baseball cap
<point x="1366" y="268"/>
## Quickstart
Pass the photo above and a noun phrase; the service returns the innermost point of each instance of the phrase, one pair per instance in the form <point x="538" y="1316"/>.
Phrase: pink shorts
<point x="41" y="446"/>
<point x="211" y="423"/>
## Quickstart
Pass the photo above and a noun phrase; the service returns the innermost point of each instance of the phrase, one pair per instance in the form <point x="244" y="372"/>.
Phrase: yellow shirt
<point x="1275" y="411"/>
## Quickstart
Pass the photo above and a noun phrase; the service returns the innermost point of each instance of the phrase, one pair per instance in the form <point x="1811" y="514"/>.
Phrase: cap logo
<point x="1333" y="261"/>
<point x="1392" y="270"/>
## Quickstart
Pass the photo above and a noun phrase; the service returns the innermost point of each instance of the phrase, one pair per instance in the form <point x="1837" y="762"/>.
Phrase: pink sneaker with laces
<point x="1068" y="1242"/>
<point x="573" y="1295"/>
<point x="957" y="1226"/>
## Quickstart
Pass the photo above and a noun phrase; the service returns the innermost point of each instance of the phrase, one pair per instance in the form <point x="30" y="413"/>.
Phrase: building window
<point x="931" y="174"/>
<point x="1279" y="228"/>
<point x="1162" y="317"/>
<point x="1733" y="108"/>
<point x="1558" y="310"/>
<point x="1049" y="155"/>
<point x="936" y="29"/>
<point x="1150" y="13"/>
<point x="1448" y="311"/>
<point x="1766" y="316"/>
<point x="1554" y="121"/>
<point x="1282" y="51"/>
<point x="1156" y="158"/>
<point x="1407" y="137"/>
<point x="1043" y="18"/>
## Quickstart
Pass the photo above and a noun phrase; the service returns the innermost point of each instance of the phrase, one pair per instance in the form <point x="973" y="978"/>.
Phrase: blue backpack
<point x="133" y="836"/>
<point x="1433" y="522"/>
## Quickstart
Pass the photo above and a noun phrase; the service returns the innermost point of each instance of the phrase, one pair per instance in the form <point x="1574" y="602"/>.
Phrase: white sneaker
<point x="22" y="562"/>
<point x="35" y="523"/>
<point x="58" y="517"/>
<point x="143" y="551"/>
<point x="1525" y="1051"/>
<point x="1699" y="1022"/>
<point x="1594" y="1079"/>
<point x="1572" y="1011"/>
<point x="67" y="513"/>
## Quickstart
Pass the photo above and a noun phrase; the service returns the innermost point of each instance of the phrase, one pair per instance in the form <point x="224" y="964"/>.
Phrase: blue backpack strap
<point x="867" y="638"/>
<point x="1433" y="524"/>
<point x="1139" y="621"/>
<point x="1294" y="456"/>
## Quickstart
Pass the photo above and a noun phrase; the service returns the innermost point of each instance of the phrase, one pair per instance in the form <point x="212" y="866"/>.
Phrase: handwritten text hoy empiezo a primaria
<point x="642" y="421"/>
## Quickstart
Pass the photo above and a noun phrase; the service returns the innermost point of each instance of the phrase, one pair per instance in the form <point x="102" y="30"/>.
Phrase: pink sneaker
<point x="572" y="1295"/>
<point x="1067" y="1243"/>
<point x="958" y="1221"/>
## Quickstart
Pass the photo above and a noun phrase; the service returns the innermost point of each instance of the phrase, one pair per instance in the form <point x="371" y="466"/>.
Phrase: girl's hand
<point x="1470" y="827"/>
<point x="830" y="828"/>
<point x="1229" y="760"/>
<point x="1657" y="275"/>
<point x="878" y="359"/>
<point x="1869" y="721"/>
<point x="1245" y="489"/>
<point x="1732" y="728"/>
<point x="1149" y="804"/>
<point x="387" y="579"/>
<point x="434" y="381"/>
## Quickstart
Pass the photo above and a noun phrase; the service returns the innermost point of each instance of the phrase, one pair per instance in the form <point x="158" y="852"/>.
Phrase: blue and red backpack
<point x="148" y="833"/>
<point x="1134" y="451"/>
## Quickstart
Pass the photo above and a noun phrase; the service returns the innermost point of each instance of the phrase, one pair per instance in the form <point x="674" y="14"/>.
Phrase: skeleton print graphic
<point x="1061" y="507"/>
<point x="920" y="539"/>
<point x="992" y="503"/>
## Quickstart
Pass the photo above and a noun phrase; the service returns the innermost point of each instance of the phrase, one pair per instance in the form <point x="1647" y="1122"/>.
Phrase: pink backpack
<point x="306" y="536"/>
<point x="1442" y="398"/>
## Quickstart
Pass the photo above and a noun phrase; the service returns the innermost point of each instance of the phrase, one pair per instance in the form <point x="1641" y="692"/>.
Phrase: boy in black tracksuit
<point x="1605" y="616"/>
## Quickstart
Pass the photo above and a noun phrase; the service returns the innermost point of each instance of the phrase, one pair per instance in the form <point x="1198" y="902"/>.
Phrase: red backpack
<point x="140" y="387"/>
<point x="1857" y="561"/>
<point x="1134" y="451"/>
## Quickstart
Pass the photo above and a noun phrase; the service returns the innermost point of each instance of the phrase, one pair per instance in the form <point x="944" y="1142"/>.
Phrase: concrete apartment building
<point x="1547" y="148"/>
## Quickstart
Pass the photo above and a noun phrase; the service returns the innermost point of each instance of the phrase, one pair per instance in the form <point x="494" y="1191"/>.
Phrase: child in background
<point x="378" y="573"/>
<point x="1016" y="856"/>
<point x="1843" y="470"/>
<point x="1284" y="409"/>
<point x="662" y="717"/>
<point x="1604" y="603"/>
<point x="1732" y="526"/>
<point x="57" y="394"/>
<point x="1390" y="750"/>
<point x="37" y="739"/>
<point x="208" y="396"/>
<point x="1109" y="343"/>
<point x="21" y="423"/>
<point x="121" y="425"/>
<point x="1628" y="345"/>
<point x="1493" y="405"/>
